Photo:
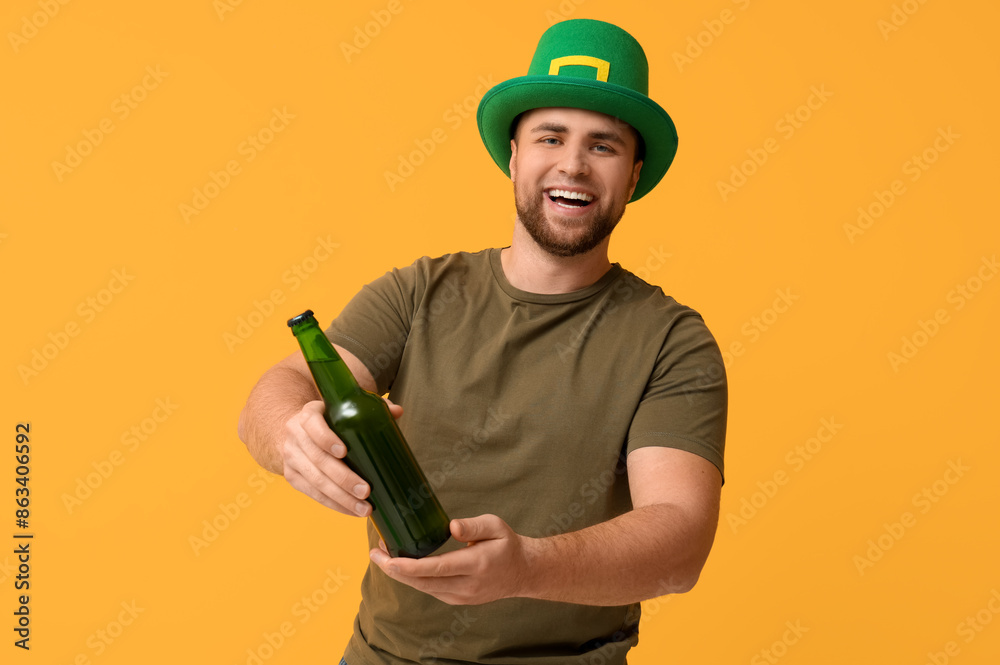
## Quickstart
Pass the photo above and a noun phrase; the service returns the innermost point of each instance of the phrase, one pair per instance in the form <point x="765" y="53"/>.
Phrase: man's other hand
<point x="492" y="566"/>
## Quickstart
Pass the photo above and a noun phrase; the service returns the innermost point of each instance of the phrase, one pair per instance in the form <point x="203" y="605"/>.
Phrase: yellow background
<point x="185" y="285"/>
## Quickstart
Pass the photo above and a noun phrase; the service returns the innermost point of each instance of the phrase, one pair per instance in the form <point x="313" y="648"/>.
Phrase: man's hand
<point x="658" y="547"/>
<point x="492" y="566"/>
<point x="313" y="462"/>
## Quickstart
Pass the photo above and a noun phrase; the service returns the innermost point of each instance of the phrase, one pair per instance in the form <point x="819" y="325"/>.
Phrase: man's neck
<point x="530" y="268"/>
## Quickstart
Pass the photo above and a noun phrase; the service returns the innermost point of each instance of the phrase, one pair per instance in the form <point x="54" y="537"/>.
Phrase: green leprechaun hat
<point x="585" y="64"/>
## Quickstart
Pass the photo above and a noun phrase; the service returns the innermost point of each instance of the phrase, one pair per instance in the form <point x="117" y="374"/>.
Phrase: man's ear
<point x="636" y="169"/>
<point x="513" y="158"/>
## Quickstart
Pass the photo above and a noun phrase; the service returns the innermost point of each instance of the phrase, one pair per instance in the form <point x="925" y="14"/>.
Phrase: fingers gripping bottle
<point x="406" y="513"/>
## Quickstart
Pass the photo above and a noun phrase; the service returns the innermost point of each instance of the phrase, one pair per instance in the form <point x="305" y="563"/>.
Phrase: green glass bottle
<point x="405" y="511"/>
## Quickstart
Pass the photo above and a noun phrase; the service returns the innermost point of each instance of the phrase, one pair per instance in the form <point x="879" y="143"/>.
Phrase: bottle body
<point x="405" y="511"/>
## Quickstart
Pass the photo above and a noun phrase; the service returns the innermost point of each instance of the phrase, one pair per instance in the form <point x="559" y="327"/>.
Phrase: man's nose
<point x="574" y="162"/>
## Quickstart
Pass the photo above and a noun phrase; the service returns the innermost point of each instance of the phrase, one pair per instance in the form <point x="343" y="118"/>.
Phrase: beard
<point x="532" y="214"/>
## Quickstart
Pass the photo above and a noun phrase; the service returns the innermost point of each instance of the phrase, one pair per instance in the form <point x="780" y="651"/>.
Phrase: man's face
<point x="573" y="172"/>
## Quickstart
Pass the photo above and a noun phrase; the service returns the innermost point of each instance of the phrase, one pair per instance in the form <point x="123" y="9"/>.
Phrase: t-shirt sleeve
<point x="686" y="399"/>
<point x="375" y="323"/>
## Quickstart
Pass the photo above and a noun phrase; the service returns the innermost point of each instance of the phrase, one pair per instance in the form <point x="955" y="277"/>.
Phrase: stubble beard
<point x="531" y="213"/>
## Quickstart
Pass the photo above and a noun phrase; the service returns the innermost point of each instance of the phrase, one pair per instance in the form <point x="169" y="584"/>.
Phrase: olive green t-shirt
<point x="525" y="406"/>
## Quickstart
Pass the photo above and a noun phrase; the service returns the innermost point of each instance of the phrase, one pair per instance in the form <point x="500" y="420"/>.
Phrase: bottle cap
<point x="294" y="321"/>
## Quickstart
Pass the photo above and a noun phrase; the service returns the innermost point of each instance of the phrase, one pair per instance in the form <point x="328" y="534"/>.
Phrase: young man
<point x="570" y="416"/>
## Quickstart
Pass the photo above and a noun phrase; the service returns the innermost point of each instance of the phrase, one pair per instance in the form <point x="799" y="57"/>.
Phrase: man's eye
<point x="603" y="148"/>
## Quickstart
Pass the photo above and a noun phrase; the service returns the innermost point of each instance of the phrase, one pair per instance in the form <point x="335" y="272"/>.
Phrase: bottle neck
<point x="332" y="375"/>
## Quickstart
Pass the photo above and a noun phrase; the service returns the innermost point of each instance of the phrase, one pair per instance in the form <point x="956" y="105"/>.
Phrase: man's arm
<point x="283" y="428"/>
<point x="279" y="394"/>
<point x="659" y="547"/>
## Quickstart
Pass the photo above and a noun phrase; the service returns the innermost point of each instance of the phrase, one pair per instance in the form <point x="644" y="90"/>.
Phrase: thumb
<point x="395" y="409"/>
<point x="472" y="529"/>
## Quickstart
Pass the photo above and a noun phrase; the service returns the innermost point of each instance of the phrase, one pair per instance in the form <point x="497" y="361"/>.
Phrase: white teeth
<point x="562" y="193"/>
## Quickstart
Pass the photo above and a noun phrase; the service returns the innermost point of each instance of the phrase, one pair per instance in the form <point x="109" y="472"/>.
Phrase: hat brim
<point x="507" y="100"/>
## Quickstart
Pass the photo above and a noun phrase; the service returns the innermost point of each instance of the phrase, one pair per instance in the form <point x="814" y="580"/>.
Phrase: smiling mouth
<point x="568" y="199"/>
